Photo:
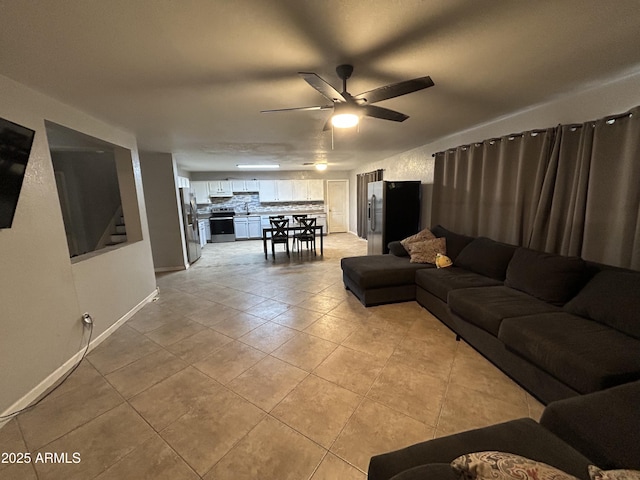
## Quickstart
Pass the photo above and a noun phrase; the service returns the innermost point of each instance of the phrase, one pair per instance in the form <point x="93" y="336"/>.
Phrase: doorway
<point x="338" y="205"/>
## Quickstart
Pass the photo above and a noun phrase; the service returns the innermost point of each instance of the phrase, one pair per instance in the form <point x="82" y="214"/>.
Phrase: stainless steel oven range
<point x="221" y="221"/>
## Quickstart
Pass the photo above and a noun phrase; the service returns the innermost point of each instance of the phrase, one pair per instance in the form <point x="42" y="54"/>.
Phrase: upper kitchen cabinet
<point x="275" y="190"/>
<point x="308" y="190"/>
<point x="220" y="188"/>
<point x="201" y="191"/>
<point x="243" y="186"/>
<point x="315" y="190"/>
<point x="183" y="182"/>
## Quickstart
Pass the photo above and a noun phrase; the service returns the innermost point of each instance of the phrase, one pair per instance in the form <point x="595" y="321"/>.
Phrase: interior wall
<point x="159" y="178"/>
<point x="42" y="294"/>
<point x="614" y="96"/>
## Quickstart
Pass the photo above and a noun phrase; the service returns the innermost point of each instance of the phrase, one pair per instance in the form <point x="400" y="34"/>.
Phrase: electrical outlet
<point x="86" y="319"/>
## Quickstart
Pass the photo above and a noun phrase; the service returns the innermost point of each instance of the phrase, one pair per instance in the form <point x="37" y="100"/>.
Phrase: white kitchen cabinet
<point x="275" y="190"/>
<point x="183" y="182"/>
<point x="241" y="228"/>
<point x="300" y="188"/>
<point x="202" y="231"/>
<point x="255" y="227"/>
<point x="308" y="190"/>
<point x="321" y="219"/>
<point x="285" y="190"/>
<point x="315" y="190"/>
<point x="247" y="227"/>
<point x="220" y="188"/>
<point x="268" y="191"/>
<point x="201" y="191"/>
<point x="244" y="186"/>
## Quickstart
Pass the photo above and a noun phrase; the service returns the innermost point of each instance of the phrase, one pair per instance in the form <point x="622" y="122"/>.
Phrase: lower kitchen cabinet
<point x="247" y="227"/>
<point x="255" y="227"/>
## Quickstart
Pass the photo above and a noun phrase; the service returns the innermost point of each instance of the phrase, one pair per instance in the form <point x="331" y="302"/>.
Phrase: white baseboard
<point x="62" y="370"/>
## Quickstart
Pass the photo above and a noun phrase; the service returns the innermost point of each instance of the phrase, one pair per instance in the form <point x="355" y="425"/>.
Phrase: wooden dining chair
<point x="280" y="234"/>
<point x="307" y="234"/>
<point x="296" y="219"/>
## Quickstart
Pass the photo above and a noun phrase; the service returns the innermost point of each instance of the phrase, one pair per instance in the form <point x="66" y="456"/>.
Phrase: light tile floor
<point x="245" y="369"/>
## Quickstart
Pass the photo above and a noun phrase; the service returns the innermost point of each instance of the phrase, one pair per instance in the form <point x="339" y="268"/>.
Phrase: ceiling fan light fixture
<point x="345" y="120"/>
<point x="321" y="166"/>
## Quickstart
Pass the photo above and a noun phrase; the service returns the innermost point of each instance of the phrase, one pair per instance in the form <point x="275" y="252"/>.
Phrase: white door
<point x="338" y="205"/>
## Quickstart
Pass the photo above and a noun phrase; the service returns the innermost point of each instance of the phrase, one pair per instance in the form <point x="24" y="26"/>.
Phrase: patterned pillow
<point x="504" y="466"/>
<point x="421" y="236"/>
<point x="597" y="474"/>
<point x="427" y="250"/>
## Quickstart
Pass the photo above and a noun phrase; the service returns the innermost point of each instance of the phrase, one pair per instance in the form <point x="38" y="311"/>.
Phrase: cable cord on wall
<point x="87" y="321"/>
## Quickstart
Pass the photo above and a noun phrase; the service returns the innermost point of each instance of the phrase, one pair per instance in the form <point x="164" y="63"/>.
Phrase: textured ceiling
<point x="191" y="77"/>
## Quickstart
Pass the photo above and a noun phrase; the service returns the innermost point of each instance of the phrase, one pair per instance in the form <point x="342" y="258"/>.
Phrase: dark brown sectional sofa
<point x="557" y="325"/>
<point x="599" y="429"/>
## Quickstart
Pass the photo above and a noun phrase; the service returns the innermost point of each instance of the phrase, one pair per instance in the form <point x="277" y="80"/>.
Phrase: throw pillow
<point x="597" y="474"/>
<point x="396" y="248"/>
<point x="504" y="466"/>
<point x="418" y="237"/>
<point x="426" y="251"/>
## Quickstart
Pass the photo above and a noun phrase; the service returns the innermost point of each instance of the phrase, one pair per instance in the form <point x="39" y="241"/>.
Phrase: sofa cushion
<point x="487" y="307"/>
<point x="486" y="257"/>
<point x="523" y="437"/>
<point x="374" y="271"/>
<point x="396" y="248"/>
<point x="603" y="426"/>
<point x="613" y="298"/>
<point x="549" y="277"/>
<point x="441" y="281"/>
<point x="455" y="241"/>
<point x="493" y="465"/>
<point x="586" y="355"/>
<point x="426" y="251"/>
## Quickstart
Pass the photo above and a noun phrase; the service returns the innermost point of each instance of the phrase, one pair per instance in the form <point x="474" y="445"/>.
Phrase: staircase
<point x="120" y="234"/>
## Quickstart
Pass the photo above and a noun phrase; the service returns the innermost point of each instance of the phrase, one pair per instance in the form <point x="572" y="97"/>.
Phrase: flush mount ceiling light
<point x="258" y="166"/>
<point x="321" y="166"/>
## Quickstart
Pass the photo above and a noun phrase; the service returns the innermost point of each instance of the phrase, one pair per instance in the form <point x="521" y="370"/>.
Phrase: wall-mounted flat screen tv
<point x="15" y="147"/>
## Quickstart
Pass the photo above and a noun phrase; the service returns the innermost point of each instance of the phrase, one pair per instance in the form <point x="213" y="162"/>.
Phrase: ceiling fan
<point x="349" y="108"/>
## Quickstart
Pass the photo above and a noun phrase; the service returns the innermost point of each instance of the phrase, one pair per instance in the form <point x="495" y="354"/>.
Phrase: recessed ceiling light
<point x="321" y="166"/>
<point x="258" y="166"/>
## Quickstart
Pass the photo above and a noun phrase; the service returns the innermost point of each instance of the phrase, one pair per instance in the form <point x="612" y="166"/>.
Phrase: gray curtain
<point x="572" y="190"/>
<point x="612" y="211"/>
<point x="490" y="188"/>
<point x="361" y="194"/>
<point x="560" y="213"/>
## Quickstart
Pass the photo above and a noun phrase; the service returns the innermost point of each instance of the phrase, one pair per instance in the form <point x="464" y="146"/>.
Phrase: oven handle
<point x="221" y="218"/>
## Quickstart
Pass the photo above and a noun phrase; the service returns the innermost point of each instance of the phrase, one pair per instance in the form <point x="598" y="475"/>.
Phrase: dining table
<point x="318" y="229"/>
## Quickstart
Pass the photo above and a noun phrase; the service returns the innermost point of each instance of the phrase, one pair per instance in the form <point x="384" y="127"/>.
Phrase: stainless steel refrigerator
<point x="393" y="213"/>
<point x="190" y="224"/>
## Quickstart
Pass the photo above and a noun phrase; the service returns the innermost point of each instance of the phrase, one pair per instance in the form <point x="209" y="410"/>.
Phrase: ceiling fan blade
<point x="395" y="90"/>
<point x="298" y="109"/>
<point x="323" y="87"/>
<point x="383" y="113"/>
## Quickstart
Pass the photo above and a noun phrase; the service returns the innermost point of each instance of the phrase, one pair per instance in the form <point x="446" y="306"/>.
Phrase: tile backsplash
<point x="252" y="200"/>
